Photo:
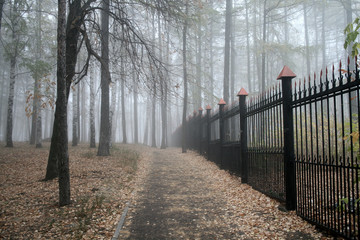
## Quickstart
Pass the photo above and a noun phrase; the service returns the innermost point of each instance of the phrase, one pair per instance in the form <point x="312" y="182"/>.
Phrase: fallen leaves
<point x="100" y="188"/>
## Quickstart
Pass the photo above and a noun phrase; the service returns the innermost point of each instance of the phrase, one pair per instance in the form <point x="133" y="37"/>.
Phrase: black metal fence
<point x="298" y="143"/>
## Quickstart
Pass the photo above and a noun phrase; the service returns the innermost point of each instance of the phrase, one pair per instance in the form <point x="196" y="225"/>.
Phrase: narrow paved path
<point x="182" y="198"/>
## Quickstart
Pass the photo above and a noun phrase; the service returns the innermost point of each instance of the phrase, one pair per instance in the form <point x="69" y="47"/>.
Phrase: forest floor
<point x="100" y="188"/>
<point x="171" y="196"/>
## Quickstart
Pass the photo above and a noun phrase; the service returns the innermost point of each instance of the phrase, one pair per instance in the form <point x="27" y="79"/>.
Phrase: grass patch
<point x="85" y="212"/>
<point x="126" y="158"/>
<point x="89" y="154"/>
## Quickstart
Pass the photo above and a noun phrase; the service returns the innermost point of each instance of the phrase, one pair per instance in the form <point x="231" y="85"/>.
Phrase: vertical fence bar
<point x="243" y="135"/>
<point x="289" y="155"/>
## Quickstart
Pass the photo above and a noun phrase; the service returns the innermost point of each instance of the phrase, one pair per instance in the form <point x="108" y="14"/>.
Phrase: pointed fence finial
<point x="208" y="107"/>
<point x="222" y="102"/>
<point x="242" y="92"/>
<point x="286" y="73"/>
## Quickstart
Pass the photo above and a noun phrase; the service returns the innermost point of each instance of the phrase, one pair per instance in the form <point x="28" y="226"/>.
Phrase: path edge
<point x="121" y="222"/>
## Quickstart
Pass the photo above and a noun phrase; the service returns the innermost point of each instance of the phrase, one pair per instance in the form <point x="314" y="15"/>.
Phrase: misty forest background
<point x="227" y="45"/>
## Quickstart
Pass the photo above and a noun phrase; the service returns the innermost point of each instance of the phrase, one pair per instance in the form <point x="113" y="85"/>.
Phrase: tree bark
<point x="248" y="46"/>
<point x="135" y="95"/>
<point x="227" y="50"/>
<point x="307" y="51"/>
<point x="112" y="113"/>
<point x="211" y="39"/>
<point x="163" y="94"/>
<point x="263" y="53"/>
<point x="75" y="120"/>
<point x="2" y="2"/>
<point x="184" y="42"/>
<point x="92" y="115"/>
<point x="123" y="114"/>
<point x="73" y="23"/>
<point x="60" y="138"/>
<point x="13" y="60"/>
<point x="104" y="142"/>
<point x="9" y="128"/>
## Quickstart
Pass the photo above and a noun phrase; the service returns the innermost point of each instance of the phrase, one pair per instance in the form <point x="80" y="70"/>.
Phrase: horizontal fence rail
<point x="298" y="143"/>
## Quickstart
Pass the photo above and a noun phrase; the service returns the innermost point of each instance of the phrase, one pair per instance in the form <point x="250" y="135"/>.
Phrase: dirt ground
<point x="183" y="196"/>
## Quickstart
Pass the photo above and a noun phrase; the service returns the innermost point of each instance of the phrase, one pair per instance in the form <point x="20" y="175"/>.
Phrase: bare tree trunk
<point x="248" y="46"/>
<point x="162" y="89"/>
<point x="197" y="96"/>
<point x="9" y="128"/>
<point x="2" y="2"/>
<point x="60" y="138"/>
<point x="306" y="39"/>
<point x="13" y="60"/>
<point x="135" y="95"/>
<point x="323" y="42"/>
<point x="263" y="54"/>
<point x="75" y="120"/>
<point x="184" y="124"/>
<point x="38" y="128"/>
<point x="92" y="105"/>
<point x="211" y="39"/>
<point x="78" y="110"/>
<point x="104" y="142"/>
<point x="146" y="132"/>
<point x="112" y="111"/>
<point x="227" y="50"/>
<point x="123" y="114"/>
<point x="72" y="36"/>
<point x="153" y="124"/>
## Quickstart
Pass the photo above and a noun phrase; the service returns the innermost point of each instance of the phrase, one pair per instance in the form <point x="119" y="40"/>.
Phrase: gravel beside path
<point x="183" y="196"/>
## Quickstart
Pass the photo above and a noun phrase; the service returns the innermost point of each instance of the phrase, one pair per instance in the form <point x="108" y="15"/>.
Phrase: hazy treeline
<point x="230" y="44"/>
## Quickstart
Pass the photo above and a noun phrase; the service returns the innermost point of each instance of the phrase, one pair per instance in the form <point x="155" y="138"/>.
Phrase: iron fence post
<point x="208" y="134"/>
<point x="221" y="104"/>
<point x="289" y="153"/>
<point x="243" y="136"/>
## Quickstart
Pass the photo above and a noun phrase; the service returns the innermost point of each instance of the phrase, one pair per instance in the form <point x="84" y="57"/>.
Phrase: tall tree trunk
<point x="2" y="2"/>
<point x="75" y="116"/>
<point x="123" y="113"/>
<point x="135" y="95"/>
<point x="92" y="105"/>
<point x="72" y="35"/>
<point x="184" y="124"/>
<point x="60" y="138"/>
<point x="153" y="112"/>
<point x="112" y="113"/>
<point x="307" y="51"/>
<point x="9" y="128"/>
<point x="37" y="89"/>
<point x="227" y="50"/>
<point x="104" y="142"/>
<point x="162" y="89"/>
<point x="263" y="54"/>
<point x="146" y="131"/>
<point x="248" y="46"/>
<point x="323" y="37"/>
<point x="78" y="111"/>
<point x="232" y="59"/>
<point x="198" y="97"/>
<point x="13" y="60"/>
<point x="211" y="48"/>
